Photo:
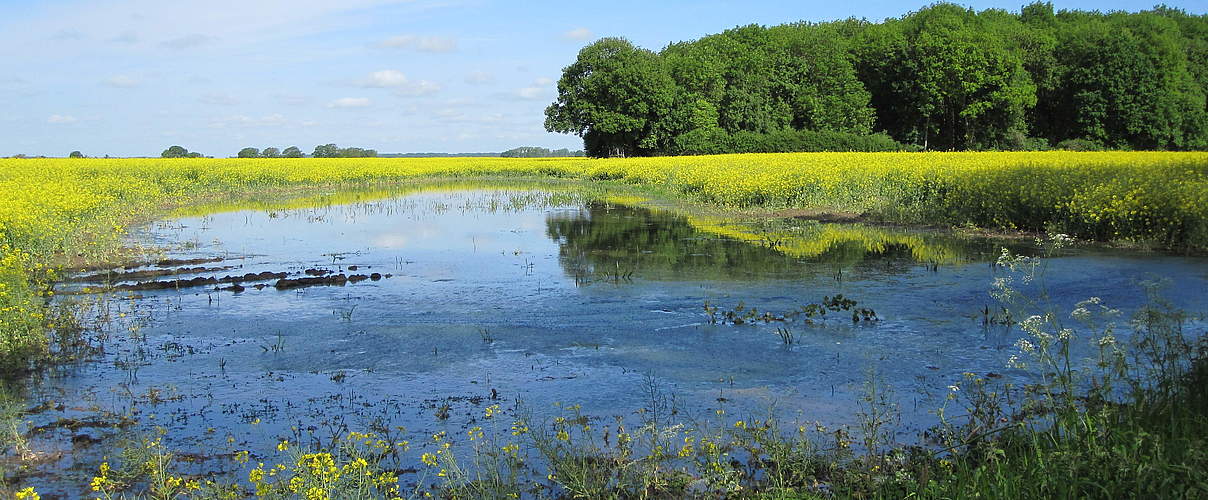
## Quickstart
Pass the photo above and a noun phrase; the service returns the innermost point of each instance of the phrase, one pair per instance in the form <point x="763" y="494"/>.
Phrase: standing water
<point x="417" y="312"/>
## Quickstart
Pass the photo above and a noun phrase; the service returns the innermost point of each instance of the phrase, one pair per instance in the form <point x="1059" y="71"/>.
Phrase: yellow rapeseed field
<point x="54" y="211"/>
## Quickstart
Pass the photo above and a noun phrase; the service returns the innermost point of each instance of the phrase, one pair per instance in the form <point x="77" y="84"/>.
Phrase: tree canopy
<point x="333" y="151"/>
<point x="944" y="77"/>
<point x="538" y="152"/>
<point x="179" y="152"/>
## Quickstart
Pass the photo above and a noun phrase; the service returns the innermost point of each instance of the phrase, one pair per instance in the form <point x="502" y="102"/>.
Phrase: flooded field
<point x="410" y="315"/>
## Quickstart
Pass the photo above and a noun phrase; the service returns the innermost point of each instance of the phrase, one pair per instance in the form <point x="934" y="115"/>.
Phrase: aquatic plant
<point x="809" y="314"/>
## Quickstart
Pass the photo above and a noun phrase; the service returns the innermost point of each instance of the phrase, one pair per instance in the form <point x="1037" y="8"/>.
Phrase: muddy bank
<point x="113" y="277"/>
<point x="330" y="280"/>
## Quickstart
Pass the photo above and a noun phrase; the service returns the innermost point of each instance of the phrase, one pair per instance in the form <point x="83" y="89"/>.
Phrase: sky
<point x="132" y="77"/>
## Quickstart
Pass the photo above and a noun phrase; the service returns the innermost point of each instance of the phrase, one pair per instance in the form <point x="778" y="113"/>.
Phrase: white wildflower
<point x="1065" y="335"/>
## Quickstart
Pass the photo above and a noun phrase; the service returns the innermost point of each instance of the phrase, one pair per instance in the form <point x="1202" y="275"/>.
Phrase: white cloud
<point x="385" y="78"/>
<point x="434" y="44"/>
<point x="61" y="119"/>
<point x="349" y="102"/>
<point x="577" y="34"/>
<point x="121" y="82"/>
<point x="396" y="80"/>
<point x="239" y="23"/>
<point x="538" y="90"/>
<point x="422" y="87"/>
<point x="187" y="41"/>
<point x="530" y="93"/>
<point x="480" y="78"/>
<point x="218" y="99"/>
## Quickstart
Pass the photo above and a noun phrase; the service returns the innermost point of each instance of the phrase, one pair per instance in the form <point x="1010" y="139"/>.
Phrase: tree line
<point x="943" y="78"/>
<point x="539" y="152"/>
<point x="334" y="151"/>
<point x="321" y="151"/>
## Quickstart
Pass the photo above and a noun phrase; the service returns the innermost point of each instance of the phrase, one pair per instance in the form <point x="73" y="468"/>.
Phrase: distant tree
<point x="526" y="152"/>
<point x="270" y="152"/>
<point x="194" y="154"/>
<point x="75" y="154"/>
<point x="249" y="153"/>
<point x="175" y="152"/>
<point x="326" y="151"/>
<point x="333" y="151"/>
<point x="291" y="152"/>
<point x="357" y="153"/>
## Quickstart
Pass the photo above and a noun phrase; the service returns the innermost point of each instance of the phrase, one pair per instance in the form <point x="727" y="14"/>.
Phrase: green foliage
<point x="291" y="152"/>
<point x="179" y="152"/>
<point x="333" y="151"/>
<point x="618" y="97"/>
<point x="537" y="152"/>
<point x="946" y="77"/>
<point x="943" y="78"/>
<point x="1080" y="145"/>
<point x="1124" y="81"/>
<point x="249" y="153"/>
<point x="75" y="154"/>
<point x="270" y="152"/>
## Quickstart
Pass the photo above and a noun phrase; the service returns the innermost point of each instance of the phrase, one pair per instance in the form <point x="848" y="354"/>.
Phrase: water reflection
<point x="610" y="239"/>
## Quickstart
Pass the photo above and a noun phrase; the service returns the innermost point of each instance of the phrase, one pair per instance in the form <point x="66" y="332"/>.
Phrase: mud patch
<point x="144" y="274"/>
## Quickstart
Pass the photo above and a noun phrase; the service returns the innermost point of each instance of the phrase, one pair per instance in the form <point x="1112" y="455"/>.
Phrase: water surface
<point x="496" y="296"/>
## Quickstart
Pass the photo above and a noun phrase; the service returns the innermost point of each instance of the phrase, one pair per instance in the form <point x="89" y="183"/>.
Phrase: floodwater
<point x="502" y="296"/>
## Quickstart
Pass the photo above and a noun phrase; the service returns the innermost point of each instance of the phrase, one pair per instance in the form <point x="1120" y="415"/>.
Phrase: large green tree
<point x="945" y="78"/>
<point x="618" y="98"/>
<point x="1124" y="81"/>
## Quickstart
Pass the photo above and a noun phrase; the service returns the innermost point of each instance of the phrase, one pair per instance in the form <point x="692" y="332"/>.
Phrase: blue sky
<point x="131" y="77"/>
